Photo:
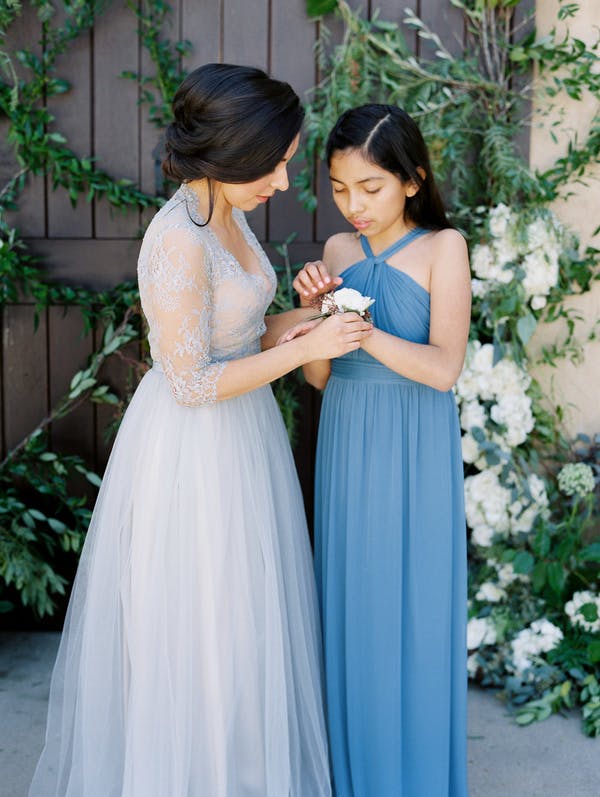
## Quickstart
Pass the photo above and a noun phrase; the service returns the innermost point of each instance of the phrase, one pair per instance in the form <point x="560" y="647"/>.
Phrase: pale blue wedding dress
<point x="390" y="549"/>
<point x="190" y="661"/>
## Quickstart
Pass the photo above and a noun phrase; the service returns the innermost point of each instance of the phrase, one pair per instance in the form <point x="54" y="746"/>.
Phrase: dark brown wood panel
<point x="246" y="40"/>
<point x="68" y="352"/>
<point x="151" y="137"/>
<point x="73" y="114"/>
<point x="292" y="45"/>
<point x="447" y="21"/>
<point x="25" y="33"/>
<point x="24" y="355"/>
<point x="524" y="23"/>
<point x="201" y="25"/>
<point x="87" y="263"/>
<point x="116" y="117"/>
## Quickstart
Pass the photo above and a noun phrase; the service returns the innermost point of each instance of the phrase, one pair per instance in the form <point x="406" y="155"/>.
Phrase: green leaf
<point x="317" y="8"/>
<point x="523" y="563"/>
<point x="591" y="553"/>
<point x="556" y="577"/>
<point x="56" y="525"/>
<point x="526" y="327"/>
<point x="594" y="652"/>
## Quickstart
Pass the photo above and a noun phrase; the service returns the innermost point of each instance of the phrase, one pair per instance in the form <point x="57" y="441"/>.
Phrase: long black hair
<point x="388" y="137"/>
<point x="231" y="123"/>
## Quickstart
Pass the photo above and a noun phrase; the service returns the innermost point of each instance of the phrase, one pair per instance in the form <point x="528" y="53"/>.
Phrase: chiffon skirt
<point x="190" y="661"/>
<point x="390" y="549"/>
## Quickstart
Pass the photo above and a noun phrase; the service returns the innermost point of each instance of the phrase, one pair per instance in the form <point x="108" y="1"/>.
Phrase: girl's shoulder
<point x="342" y="250"/>
<point x="448" y="242"/>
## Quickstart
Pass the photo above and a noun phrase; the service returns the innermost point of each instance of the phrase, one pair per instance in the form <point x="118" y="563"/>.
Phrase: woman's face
<point x="369" y="197"/>
<point x="247" y="196"/>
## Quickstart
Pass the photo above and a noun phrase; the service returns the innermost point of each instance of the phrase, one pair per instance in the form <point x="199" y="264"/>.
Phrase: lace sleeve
<point x="182" y="311"/>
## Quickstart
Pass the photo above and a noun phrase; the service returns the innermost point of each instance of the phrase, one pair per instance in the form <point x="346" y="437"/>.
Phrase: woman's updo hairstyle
<point x="388" y="137"/>
<point x="231" y="123"/>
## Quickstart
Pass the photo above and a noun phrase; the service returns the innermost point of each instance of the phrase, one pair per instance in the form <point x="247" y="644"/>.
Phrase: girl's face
<point x="372" y="199"/>
<point x="247" y="196"/>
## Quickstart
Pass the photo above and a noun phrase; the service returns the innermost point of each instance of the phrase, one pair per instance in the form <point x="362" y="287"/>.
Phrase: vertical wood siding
<point x="95" y="246"/>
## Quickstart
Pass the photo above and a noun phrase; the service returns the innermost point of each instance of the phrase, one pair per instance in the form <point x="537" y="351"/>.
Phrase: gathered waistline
<point x="361" y="371"/>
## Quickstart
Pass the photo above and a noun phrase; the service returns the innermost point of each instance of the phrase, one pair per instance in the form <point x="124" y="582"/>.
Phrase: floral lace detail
<point x="202" y="307"/>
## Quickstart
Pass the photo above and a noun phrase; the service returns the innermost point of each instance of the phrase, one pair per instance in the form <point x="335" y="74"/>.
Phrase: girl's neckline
<point x="381" y="258"/>
<point x="409" y="236"/>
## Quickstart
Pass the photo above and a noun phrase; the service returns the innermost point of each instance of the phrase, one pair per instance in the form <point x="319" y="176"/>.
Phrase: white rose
<point x="480" y="631"/>
<point x="490" y="593"/>
<point x="499" y="219"/>
<point x="472" y="414"/>
<point x="540" y="274"/>
<point x="482" y="536"/>
<point x="470" y="448"/>
<point x="472" y="665"/>
<point x="348" y="299"/>
<point x="482" y="261"/>
<point x="537" y="302"/>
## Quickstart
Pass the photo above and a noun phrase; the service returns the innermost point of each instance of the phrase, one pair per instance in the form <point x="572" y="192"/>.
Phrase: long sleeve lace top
<point x="202" y="307"/>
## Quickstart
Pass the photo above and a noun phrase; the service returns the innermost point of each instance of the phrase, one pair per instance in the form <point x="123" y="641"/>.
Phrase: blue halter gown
<point x="390" y="548"/>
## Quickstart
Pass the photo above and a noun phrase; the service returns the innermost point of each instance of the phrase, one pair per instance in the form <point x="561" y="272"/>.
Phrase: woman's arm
<point x="182" y="313"/>
<point x="439" y="362"/>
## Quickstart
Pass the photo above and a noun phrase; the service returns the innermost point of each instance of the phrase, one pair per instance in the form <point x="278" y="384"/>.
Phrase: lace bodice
<point x="202" y="307"/>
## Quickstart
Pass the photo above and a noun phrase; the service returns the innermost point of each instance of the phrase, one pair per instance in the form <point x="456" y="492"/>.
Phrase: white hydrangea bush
<point x="522" y="250"/>
<point x="513" y="632"/>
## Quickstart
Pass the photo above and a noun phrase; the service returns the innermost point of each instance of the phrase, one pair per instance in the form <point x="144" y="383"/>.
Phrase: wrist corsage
<point x="345" y="300"/>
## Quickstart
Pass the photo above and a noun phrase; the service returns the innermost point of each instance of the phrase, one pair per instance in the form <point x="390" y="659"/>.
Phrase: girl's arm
<point x="439" y="362"/>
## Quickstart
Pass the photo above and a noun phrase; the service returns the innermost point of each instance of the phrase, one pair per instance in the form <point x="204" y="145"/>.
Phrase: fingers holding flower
<point x="314" y="280"/>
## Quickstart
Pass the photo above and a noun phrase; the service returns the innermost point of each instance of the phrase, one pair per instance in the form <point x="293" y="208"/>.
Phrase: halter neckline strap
<point x="416" y="232"/>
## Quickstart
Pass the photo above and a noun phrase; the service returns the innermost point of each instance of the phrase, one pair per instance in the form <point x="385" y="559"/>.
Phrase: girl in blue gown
<point x="389" y="518"/>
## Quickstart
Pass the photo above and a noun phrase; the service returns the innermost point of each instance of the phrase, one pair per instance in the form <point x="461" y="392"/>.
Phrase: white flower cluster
<point x="540" y="637"/>
<point x="494" y="399"/>
<point x="480" y="631"/>
<point x="492" y="512"/>
<point x="534" y="247"/>
<point x="576" y="478"/>
<point x="574" y="606"/>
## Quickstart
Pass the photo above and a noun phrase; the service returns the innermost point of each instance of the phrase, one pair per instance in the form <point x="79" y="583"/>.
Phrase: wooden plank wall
<point x="94" y="246"/>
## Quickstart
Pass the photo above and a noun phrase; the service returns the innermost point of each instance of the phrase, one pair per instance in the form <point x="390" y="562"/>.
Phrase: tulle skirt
<point x="190" y="661"/>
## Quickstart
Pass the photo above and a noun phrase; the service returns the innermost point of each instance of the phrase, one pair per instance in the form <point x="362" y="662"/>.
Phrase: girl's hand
<point x="313" y="280"/>
<point x="336" y="336"/>
<point x="298" y="330"/>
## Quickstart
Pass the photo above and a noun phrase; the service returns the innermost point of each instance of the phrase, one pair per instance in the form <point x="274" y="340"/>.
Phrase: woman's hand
<point x="335" y="336"/>
<point x="313" y="280"/>
<point x="298" y="330"/>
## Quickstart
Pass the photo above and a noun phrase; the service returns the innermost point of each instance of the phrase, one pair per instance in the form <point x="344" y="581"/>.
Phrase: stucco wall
<point x="575" y="387"/>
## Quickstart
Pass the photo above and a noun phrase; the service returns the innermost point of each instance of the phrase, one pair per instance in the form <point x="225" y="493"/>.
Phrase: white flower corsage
<point x="345" y="300"/>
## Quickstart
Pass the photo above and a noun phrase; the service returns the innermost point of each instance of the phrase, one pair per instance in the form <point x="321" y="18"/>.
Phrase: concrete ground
<point x="549" y="759"/>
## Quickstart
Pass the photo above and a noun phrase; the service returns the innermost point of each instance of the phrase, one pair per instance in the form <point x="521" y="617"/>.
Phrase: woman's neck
<point x="221" y="215"/>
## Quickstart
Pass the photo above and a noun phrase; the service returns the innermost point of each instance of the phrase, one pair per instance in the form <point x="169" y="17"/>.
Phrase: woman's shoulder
<point x="341" y="250"/>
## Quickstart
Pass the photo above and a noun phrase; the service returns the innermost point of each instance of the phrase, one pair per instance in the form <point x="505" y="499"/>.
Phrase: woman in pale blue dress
<point x="389" y="518"/>
<point x="190" y="661"/>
